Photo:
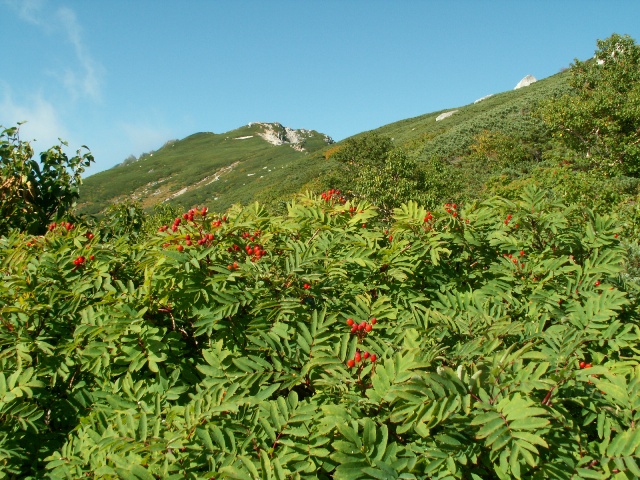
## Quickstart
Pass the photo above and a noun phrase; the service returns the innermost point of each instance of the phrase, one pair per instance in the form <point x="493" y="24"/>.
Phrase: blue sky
<point x="123" y="77"/>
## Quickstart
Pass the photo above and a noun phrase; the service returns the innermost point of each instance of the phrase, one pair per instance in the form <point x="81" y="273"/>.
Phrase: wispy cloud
<point x="85" y="78"/>
<point x="43" y="122"/>
<point x="88" y="81"/>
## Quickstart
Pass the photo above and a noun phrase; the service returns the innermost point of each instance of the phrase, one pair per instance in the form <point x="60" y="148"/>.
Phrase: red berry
<point x="350" y="322"/>
<point x="91" y="257"/>
<point x="366" y="355"/>
<point x="180" y="248"/>
<point x="597" y="283"/>
<point x="582" y="364"/>
<point x="615" y="236"/>
<point x="364" y="225"/>
<point x="373" y="357"/>
<point x="357" y="357"/>
<point x="363" y="324"/>
<point x="521" y="253"/>
<point x="368" y="327"/>
<point x="588" y="365"/>
<point x="351" y="363"/>
<point x="306" y="286"/>
<point x="374" y="321"/>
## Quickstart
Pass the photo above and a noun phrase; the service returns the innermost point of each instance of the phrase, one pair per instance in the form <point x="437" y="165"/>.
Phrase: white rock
<point x="444" y="115"/>
<point x="483" y="98"/>
<point x="526" y="81"/>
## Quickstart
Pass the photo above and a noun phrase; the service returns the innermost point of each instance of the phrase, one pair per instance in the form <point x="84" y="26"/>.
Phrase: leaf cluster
<point x="164" y="357"/>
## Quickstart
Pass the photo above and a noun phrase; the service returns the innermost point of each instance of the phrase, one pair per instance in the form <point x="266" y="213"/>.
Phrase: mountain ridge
<point x="269" y="162"/>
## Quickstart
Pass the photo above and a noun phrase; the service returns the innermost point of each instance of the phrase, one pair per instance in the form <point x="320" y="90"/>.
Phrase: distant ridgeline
<point x="214" y="169"/>
<point x="491" y="146"/>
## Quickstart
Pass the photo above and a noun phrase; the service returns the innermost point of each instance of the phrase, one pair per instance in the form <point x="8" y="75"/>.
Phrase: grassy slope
<point x="269" y="173"/>
<point x="423" y="137"/>
<point x="194" y="162"/>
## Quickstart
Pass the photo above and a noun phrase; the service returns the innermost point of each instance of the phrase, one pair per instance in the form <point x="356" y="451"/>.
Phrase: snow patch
<point x="483" y="98"/>
<point x="243" y="138"/>
<point x="442" y="116"/>
<point x="526" y="81"/>
<point x="178" y="193"/>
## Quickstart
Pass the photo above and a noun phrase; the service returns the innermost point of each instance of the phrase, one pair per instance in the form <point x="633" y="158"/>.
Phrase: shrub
<point x="245" y="346"/>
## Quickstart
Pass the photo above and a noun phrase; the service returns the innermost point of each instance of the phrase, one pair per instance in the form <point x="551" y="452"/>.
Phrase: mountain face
<point x="268" y="162"/>
<point x="208" y="168"/>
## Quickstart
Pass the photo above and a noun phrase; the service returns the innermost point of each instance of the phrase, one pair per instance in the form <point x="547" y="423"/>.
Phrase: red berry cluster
<point x="428" y="217"/>
<point x="451" y="208"/>
<point x="34" y="241"/>
<point x="68" y="226"/>
<point x="205" y="238"/>
<point x="361" y="329"/>
<point x="584" y="365"/>
<point x="233" y="266"/>
<point x="219" y="221"/>
<point x="358" y="357"/>
<point x="80" y="261"/>
<point x="251" y="236"/>
<point x="256" y="252"/>
<point x="333" y="195"/>
<point x="515" y="259"/>
<point x="306" y="286"/>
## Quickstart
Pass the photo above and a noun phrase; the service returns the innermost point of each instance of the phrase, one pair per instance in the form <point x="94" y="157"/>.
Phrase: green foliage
<point x="32" y="192"/>
<point x="222" y="348"/>
<point x="207" y="168"/>
<point x="599" y="117"/>
<point x="373" y="169"/>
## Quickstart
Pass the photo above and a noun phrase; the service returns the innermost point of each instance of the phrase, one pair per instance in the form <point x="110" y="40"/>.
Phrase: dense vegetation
<point x="219" y="170"/>
<point x="359" y="333"/>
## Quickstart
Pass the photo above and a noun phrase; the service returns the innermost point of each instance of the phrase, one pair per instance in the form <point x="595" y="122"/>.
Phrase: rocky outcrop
<point x="526" y="81"/>
<point x="276" y="134"/>
<point x="483" y="98"/>
<point x="442" y="116"/>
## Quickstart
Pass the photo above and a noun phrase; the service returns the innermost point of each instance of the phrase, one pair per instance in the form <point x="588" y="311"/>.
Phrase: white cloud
<point x="43" y="123"/>
<point x="88" y="81"/>
<point x="83" y="79"/>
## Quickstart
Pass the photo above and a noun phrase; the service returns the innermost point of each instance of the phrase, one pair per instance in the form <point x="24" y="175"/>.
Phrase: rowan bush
<point x="225" y="347"/>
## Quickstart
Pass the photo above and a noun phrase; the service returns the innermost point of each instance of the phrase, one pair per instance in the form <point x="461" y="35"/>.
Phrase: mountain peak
<point x="526" y="81"/>
<point x="277" y="134"/>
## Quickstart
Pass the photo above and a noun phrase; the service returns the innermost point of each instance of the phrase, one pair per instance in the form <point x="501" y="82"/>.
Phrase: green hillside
<point x="216" y="169"/>
<point x="253" y="169"/>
